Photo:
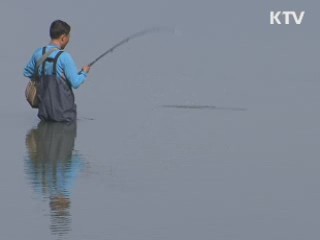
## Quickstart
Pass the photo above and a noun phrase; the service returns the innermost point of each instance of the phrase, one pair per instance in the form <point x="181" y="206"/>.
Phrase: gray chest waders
<point x="56" y="98"/>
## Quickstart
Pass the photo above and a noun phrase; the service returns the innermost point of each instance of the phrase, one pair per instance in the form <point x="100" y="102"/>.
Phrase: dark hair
<point x="59" y="28"/>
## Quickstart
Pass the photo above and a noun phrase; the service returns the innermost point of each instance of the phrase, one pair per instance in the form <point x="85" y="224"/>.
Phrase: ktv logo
<point x="286" y="17"/>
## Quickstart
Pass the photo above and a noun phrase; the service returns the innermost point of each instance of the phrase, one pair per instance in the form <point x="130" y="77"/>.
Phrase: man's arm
<point x="29" y="70"/>
<point x="71" y="72"/>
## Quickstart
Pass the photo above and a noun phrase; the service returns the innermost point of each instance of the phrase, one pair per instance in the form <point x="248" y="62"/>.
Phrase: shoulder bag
<point x="31" y="91"/>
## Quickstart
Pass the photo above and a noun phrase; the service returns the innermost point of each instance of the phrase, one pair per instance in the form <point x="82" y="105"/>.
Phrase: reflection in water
<point x="52" y="166"/>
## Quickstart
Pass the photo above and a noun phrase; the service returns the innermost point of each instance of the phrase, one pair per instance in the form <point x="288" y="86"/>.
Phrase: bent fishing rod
<point x="127" y="39"/>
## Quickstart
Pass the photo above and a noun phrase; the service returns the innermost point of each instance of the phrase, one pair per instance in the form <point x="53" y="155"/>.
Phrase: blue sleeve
<point x="29" y="70"/>
<point x="71" y="72"/>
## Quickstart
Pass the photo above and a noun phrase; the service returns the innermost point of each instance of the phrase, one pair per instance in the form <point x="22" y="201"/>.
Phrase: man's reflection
<point x="52" y="166"/>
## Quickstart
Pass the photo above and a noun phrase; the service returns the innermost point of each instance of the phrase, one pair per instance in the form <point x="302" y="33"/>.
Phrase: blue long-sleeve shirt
<point x="66" y="67"/>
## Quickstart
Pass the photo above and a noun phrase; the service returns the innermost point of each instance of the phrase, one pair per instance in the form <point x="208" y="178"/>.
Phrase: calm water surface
<point x="212" y="133"/>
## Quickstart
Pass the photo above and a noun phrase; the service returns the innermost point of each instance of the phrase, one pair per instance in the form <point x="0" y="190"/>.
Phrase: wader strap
<point x="43" y="59"/>
<point x="55" y="62"/>
<point x="55" y="69"/>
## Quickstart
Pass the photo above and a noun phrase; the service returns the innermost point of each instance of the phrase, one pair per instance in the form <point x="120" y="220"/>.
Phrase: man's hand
<point x="86" y="69"/>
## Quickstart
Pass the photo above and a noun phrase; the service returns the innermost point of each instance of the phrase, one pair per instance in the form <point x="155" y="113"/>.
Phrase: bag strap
<point x="44" y="57"/>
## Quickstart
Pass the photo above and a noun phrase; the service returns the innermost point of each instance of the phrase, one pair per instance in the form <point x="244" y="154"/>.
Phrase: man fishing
<point x="58" y="75"/>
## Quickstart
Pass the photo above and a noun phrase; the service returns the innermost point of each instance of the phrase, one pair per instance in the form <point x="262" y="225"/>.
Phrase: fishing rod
<point x="127" y="39"/>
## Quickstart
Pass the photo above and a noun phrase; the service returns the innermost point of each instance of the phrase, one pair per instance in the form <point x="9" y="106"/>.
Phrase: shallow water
<point x="212" y="133"/>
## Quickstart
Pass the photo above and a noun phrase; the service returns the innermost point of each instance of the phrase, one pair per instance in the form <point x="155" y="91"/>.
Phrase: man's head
<point x="60" y="33"/>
